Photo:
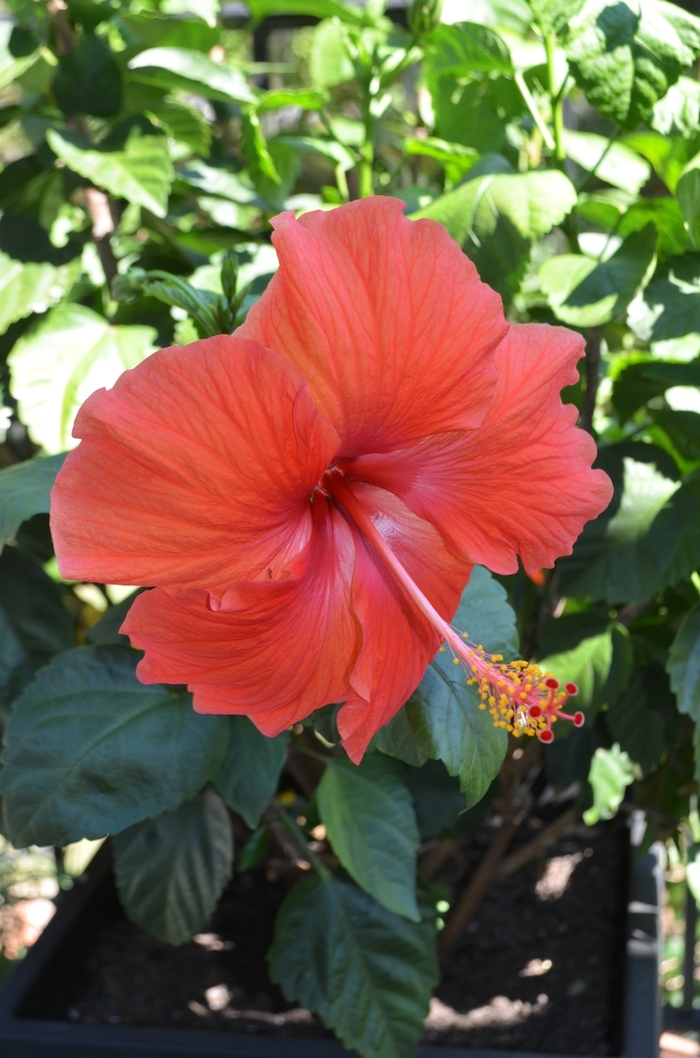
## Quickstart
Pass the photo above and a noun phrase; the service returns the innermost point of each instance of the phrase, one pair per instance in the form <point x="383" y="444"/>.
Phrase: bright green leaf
<point x="554" y="16"/>
<point x="27" y="287"/>
<point x="625" y="56"/>
<point x="184" y="123"/>
<point x="599" y="664"/>
<point x="585" y="292"/>
<point x="678" y="113"/>
<point x="171" y="871"/>
<point x="371" y="824"/>
<point x="57" y="365"/>
<point x="346" y="12"/>
<point x="610" y="775"/>
<point x="455" y="159"/>
<point x="90" y="750"/>
<point x="304" y="98"/>
<point x="150" y="30"/>
<point x="329" y="62"/>
<point x="182" y="68"/>
<point x="615" y="163"/>
<point x="335" y="152"/>
<point x="24" y="492"/>
<point x="495" y="218"/>
<point x="684" y="664"/>
<point x="688" y="193"/>
<point x="249" y="772"/>
<point x="465" y="48"/>
<point x="368" y="973"/>
<point x="142" y="173"/>
<point x="668" y="155"/>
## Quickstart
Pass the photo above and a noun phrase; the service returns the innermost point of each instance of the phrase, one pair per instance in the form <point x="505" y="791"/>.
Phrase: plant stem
<point x="365" y="166"/>
<point x="534" y="110"/>
<point x="557" y="99"/>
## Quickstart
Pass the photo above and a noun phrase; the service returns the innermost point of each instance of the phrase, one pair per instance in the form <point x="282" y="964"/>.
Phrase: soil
<point x="539" y="968"/>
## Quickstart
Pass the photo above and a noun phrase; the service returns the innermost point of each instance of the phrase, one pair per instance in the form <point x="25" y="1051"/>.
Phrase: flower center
<point x="520" y="696"/>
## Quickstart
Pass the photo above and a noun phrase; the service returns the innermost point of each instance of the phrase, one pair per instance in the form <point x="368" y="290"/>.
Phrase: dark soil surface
<point x="539" y="968"/>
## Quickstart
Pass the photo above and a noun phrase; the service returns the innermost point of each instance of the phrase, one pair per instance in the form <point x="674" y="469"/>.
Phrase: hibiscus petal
<point x="273" y="650"/>
<point x="519" y="485"/>
<point x="194" y="470"/>
<point x="387" y="320"/>
<point x="397" y="640"/>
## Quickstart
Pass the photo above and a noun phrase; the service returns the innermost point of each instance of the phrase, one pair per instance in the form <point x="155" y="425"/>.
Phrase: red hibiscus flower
<point x="307" y="497"/>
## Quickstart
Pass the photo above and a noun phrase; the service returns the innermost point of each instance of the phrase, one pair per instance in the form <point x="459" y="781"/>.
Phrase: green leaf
<point x="455" y="159"/>
<point x="669" y="307"/>
<point x="437" y="798"/>
<point x="90" y="750"/>
<point x="142" y="173"/>
<point x="625" y="56"/>
<point x="668" y="154"/>
<point x="27" y="287"/>
<point x="471" y="113"/>
<point x="444" y="714"/>
<point x="248" y="775"/>
<point x="184" y="123"/>
<point x="254" y="850"/>
<point x="346" y="12"/>
<point x="678" y="113"/>
<point x="34" y="608"/>
<point x="465" y="48"/>
<point x="636" y="726"/>
<point x="585" y="292"/>
<point x="495" y="218"/>
<point x="554" y="16"/>
<point x="15" y="669"/>
<point x="610" y="775"/>
<point x="600" y="664"/>
<point x="646" y="541"/>
<point x="329" y="62"/>
<point x="183" y="68"/>
<point x="688" y="193"/>
<point x="371" y="824"/>
<point x="24" y="492"/>
<point x="150" y="30"/>
<point x="335" y="152"/>
<point x="171" y="871"/>
<point x="682" y="427"/>
<point x="88" y="79"/>
<point x="368" y="973"/>
<point x="683" y="664"/>
<point x="66" y="357"/>
<point x="615" y="163"/>
<point x="105" y="632"/>
<point x="666" y="215"/>
<point x="304" y="98"/>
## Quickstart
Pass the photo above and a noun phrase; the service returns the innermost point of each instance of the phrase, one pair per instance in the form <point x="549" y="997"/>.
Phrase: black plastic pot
<point x="28" y="1037"/>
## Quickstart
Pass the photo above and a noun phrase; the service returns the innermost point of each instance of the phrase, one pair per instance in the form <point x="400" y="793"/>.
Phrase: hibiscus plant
<point x="344" y="555"/>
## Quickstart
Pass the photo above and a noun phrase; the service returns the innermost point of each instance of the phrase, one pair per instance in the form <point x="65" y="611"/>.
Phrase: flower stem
<point x="557" y="103"/>
<point x="534" y="110"/>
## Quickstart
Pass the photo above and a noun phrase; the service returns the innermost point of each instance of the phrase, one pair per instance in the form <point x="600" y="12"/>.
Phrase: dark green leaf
<point x="444" y="713"/>
<point x="105" y="632"/>
<point x="184" y="123"/>
<point x="171" y="871"/>
<point x="24" y="491"/>
<point x="636" y="726"/>
<point x="90" y="750"/>
<point x="254" y="849"/>
<point x="585" y="292"/>
<point x="34" y="608"/>
<point x="496" y="218"/>
<point x="437" y="798"/>
<point x="669" y="307"/>
<point x="688" y="194"/>
<point x="183" y="68"/>
<point x="682" y="427"/>
<point x="455" y="159"/>
<point x="142" y="173"/>
<point x="368" y="813"/>
<point x="368" y="973"/>
<point x="684" y="664"/>
<point x="248" y="775"/>
<point x="626" y="58"/>
<point x="88" y="79"/>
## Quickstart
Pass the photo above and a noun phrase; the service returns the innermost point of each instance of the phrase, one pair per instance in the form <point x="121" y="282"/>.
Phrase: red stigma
<point x="545" y="736"/>
<point x="535" y="711"/>
<point x="579" y="719"/>
<point x="553" y="684"/>
<point x="572" y="688"/>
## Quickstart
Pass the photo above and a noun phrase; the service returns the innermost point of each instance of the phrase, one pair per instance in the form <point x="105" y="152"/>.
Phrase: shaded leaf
<point x="171" y="871"/>
<point x="90" y="750"/>
<point x="248" y="775"/>
<point x="464" y="48"/>
<point x="66" y="357"/>
<point x="669" y="306"/>
<point x="34" y="607"/>
<point x="586" y="292"/>
<point x="88" y="79"/>
<point x="444" y="714"/>
<point x="599" y="662"/>
<point x="688" y="194"/>
<point x="24" y="492"/>
<point x="683" y="664"/>
<point x="636" y="726"/>
<point x="371" y="824"/>
<point x="332" y="942"/>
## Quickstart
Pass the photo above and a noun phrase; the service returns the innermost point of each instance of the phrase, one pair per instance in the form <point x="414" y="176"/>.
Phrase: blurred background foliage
<point x="144" y="147"/>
